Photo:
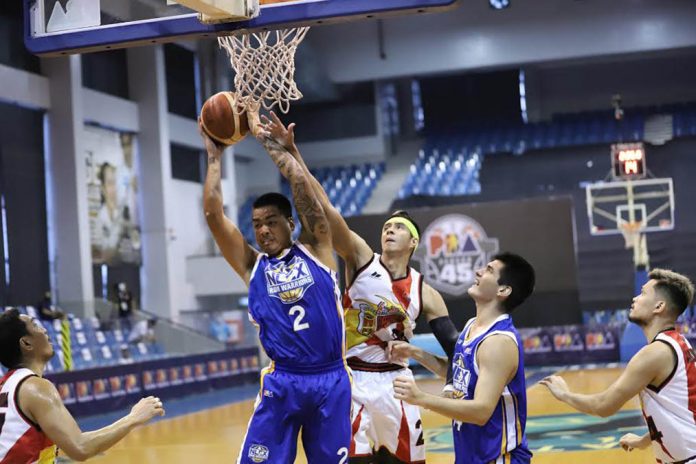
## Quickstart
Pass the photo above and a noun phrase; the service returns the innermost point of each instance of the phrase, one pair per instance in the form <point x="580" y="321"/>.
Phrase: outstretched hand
<point x="399" y="352"/>
<point x="556" y="385"/>
<point x="405" y="389"/>
<point x="212" y="147"/>
<point x="285" y="136"/>
<point x="146" y="409"/>
<point x="631" y="441"/>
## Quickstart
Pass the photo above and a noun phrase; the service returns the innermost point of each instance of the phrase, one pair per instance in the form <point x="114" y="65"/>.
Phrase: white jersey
<point x="379" y="309"/>
<point x="670" y="410"/>
<point x="21" y="441"/>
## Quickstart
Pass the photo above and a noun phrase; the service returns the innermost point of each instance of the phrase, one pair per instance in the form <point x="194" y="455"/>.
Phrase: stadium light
<point x="499" y="4"/>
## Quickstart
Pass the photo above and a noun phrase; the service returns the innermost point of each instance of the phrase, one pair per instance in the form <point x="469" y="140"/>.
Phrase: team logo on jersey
<point x="258" y="453"/>
<point x="375" y="316"/>
<point x="452" y="248"/>
<point x="460" y="377"/>
<point x="288" y="281"/>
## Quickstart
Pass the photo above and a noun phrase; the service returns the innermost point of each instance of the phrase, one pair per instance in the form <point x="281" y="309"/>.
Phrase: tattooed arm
<point x="349" y="245"/>
<point x="238" y="253"/>
<point x="307" y="204"/>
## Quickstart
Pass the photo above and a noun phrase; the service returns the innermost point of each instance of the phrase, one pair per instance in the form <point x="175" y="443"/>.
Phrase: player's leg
<point x="326" y="430"/>
<point x="520" y="455"/>
<point x="398" y="425"/>
<point x="272" y="432"/>
<point x="363" y="433"/>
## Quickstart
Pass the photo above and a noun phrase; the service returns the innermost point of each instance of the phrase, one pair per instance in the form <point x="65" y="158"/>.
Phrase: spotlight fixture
<point x="499" y="4"/>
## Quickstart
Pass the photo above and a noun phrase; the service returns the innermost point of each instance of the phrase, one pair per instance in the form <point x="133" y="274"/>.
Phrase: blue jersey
<point x="502" y="438"/>
<point x="295" y="301"/>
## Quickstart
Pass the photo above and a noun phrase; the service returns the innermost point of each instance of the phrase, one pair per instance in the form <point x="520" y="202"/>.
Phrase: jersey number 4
<point x="298" y="325"/>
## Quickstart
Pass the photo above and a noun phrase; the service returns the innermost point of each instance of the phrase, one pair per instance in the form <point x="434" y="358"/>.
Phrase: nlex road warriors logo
<point x="288" y="281"/>
<point x="258" y="453"/>
<point x="452" y="248"/>
<point x="460" y="377"/>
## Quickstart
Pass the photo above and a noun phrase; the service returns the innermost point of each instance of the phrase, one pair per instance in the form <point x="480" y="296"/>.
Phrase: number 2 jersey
<point x="670" y="409"/>
<point x="295" y="301"/>
<point x="502" y="439"/>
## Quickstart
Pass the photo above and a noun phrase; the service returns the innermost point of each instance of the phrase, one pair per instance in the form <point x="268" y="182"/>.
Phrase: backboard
<point x="650" y="202"/>
<point x="61" y="27"/>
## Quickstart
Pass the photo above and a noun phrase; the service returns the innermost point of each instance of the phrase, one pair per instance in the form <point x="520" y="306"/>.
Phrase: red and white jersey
<point x="670" y="410"/>
<point x="379" y="309"/>
<point x="21" y="441"/>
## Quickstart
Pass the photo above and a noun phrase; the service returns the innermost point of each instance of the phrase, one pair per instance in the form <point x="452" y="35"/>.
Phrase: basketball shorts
<point x="381" y="421"/>
<point x="318" y="403"/>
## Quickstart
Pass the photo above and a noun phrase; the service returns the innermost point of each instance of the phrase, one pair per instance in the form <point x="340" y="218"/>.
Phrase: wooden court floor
<point x="556" y="433"/>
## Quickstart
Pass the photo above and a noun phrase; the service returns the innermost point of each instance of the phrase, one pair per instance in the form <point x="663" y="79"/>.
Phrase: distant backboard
<point x="610" y="205"/>
<point x="61" y="27"/>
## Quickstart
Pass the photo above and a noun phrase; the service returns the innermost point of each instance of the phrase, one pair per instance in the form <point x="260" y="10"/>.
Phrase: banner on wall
<point x="110" y="159"/>
<point x="452" y="248"/>
<point x="458" y="240"/>
<point x="98" y="390"/>
<point x="570" y="344"/>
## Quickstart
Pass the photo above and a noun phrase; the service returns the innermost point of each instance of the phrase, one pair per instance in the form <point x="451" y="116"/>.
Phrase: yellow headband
<point x="409" y="225"/>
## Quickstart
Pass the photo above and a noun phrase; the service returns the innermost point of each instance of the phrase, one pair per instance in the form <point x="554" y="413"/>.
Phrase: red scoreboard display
<point x="628" y="161"/>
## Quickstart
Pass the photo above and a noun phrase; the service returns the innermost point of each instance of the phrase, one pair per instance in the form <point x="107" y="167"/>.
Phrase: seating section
<point x="349" y="188"/>
<point x="453" y="172"/>
<point x="93" y="347"/>
<point x="449" y="163"/>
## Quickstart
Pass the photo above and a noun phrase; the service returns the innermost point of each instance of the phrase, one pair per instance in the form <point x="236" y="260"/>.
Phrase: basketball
<point x="221" y="121"/>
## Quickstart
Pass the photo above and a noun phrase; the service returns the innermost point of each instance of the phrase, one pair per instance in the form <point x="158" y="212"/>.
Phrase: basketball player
<point x="663" y="374"/>
<point x="489" y="403"/>
<point x="33" y="419"/>
<point x="383" y="299"/>
<point x="295" y="302"/>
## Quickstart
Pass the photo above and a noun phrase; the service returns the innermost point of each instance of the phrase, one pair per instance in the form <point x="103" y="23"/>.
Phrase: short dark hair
<point x="677" y="288"/>
<point x="519" y="275"/>
<point x="12" y="328"/>
<point x="404" y="214"/>
<point x="278" y="200"/>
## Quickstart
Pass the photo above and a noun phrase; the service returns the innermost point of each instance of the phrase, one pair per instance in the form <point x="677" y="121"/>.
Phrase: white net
<point x="631" y="233"/>
<point x="635" y="239"/>
<point x="264" y="65"/>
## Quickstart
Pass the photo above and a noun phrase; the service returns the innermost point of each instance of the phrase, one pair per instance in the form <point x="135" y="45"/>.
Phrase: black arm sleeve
<point x="446" y="333"/>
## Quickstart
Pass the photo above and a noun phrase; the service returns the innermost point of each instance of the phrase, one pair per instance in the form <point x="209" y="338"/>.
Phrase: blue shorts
<point x="318" y="403"/>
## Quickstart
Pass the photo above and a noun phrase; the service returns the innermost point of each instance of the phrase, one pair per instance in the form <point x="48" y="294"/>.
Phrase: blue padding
<point x="633" y="338"/>
<point x="632" y="341"/>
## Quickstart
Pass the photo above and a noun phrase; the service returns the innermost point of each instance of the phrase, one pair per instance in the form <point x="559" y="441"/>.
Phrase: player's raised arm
<point x="233" y="246"/>
<point x="308" y="207"/>
<point x="349" y="245"/>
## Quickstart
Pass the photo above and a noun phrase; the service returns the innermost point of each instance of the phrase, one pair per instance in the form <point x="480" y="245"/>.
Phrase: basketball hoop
<point x="631" y="233"/>
<point x="636" y="240"/>
<point x="264" y="65"/>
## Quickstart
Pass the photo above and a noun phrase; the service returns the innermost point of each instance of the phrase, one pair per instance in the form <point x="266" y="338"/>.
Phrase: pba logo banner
<point x="289" y="281"/>
<point x="452" y="248"/>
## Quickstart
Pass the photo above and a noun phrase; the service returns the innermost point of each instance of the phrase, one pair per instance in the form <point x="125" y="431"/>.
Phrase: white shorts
<point x="379" y="420"/>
